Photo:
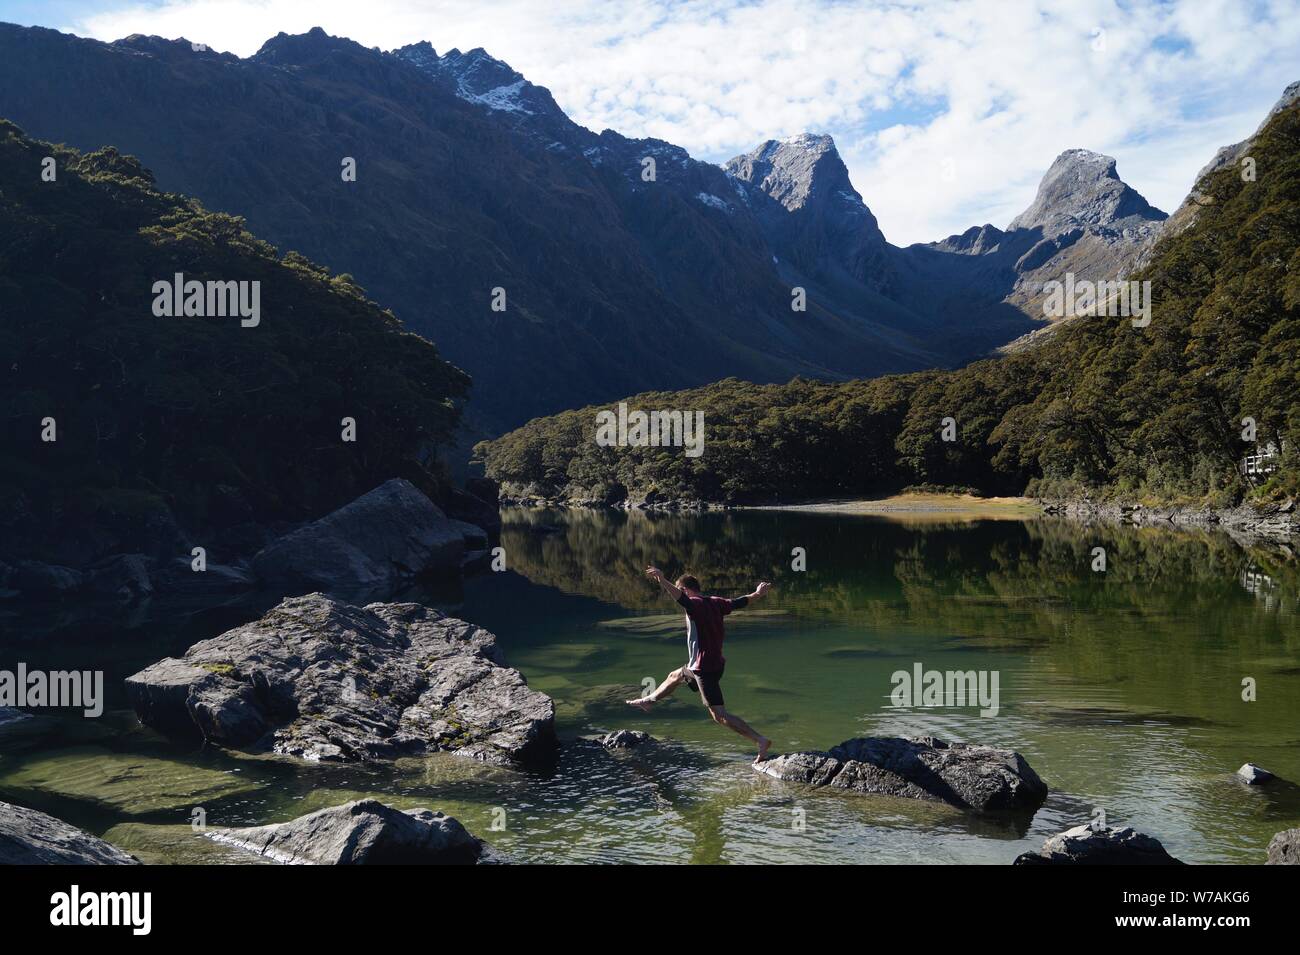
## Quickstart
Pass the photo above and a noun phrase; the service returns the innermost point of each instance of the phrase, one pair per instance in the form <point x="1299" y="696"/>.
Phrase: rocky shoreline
<point x="1277" y="523"/>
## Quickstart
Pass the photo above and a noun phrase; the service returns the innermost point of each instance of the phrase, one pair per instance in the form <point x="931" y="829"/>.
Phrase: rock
<point x="35" y="579"/>
<point x="626" y="739"/>
<point x="322" y="679"/>
<point x="365" y="832"/>
<point x="1253" y="775"/>
<point x="978" y="778"/>
<point x="483" y="488"/>
<point x="475" y="537"/>
<point x="380" y="540"/>
<point x="124" y="577"/>
<point x="474" y="509"/>
<point x="1284" y="848"/>
<point x="180" y="577"/>
<point x="28" y="837"/>
<point x="1084" y="845"/>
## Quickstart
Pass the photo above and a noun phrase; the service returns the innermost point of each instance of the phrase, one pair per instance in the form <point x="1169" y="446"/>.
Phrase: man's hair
<point x="689" y="582"/>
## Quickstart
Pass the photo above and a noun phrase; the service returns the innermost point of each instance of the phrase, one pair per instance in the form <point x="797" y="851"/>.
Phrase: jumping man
<point x="704" y="636"/>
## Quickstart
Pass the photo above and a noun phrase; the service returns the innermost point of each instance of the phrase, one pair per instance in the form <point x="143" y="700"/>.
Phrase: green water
<point x="1123" y="689"/>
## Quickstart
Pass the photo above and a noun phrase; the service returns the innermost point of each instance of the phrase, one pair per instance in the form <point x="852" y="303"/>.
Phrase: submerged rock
<point x="28" y="837"/>
<point x="1084" y="845"/>
<point x="380" y="540"/>
<point x="127" y="784"/>
<point x="365" y="832"/>
<point x="1254" y="775"/>
<point x="978" y="778"/>
<point x="626" y="739"/>
<point x="322" y="679"/>
<point x="1284" y="848"/>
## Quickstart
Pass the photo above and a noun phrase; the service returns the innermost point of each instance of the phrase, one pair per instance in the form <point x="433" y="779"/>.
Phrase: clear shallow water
<point x="1122" y="689"/>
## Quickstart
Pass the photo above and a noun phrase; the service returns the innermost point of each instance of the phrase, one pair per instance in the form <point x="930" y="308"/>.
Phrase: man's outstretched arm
<point x="657" y="575"/>
<point x="759" y="591"/>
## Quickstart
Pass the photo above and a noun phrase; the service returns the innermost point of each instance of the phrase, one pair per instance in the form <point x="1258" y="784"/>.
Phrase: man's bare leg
<point x="730" y="720"/>
<point x="664" y="689"/>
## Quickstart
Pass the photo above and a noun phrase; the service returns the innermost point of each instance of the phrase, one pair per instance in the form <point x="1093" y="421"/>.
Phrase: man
<point x="704" y="664"/>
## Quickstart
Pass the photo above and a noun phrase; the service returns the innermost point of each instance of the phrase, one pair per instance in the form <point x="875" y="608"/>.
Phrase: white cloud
<point x="991" y="90"/>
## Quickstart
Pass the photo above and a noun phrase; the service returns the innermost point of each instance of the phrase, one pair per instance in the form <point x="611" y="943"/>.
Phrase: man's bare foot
<point x="642" y="703"/>
<point x="764" y="744"/>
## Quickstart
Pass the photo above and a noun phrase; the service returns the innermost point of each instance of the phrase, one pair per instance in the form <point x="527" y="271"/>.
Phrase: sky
<point x="946" y="112"/>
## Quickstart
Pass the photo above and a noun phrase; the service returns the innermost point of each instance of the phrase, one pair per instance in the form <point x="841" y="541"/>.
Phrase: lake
<point x="1122" y="688"/>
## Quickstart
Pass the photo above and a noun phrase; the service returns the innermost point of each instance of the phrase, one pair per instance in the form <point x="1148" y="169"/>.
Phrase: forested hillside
<point x="1104" y="407"/>
<point x="118" y="425"/>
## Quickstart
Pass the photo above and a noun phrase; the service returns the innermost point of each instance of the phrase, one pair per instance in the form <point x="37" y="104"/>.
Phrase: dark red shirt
<point x="705" y="631"/>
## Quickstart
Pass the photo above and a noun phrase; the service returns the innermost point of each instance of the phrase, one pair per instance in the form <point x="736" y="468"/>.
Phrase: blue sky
<point x="947" y="113"/>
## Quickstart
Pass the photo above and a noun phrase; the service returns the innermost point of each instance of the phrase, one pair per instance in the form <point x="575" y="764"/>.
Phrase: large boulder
<point x="322" y="679"/>
<point x="28" y="837"/>
<point x="1284" y="848"/>
<point x="1084" y="845"/>
<point x="365" y="832"/>
<point x="377" y="542"/>
<point x="978" y="778"/>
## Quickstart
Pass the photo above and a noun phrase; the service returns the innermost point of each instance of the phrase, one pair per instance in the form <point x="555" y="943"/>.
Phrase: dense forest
<point x="119" y="427"/>
<point x="1103" y="407"/>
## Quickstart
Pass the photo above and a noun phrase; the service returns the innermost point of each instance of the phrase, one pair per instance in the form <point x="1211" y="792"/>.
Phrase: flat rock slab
<point x="365" y="832"/>
<point x="381" y="539"/>
<point x="1084" y="845"/>
<point x="1284" y="848"/>
<point x="321" y="679"/>
<point x="28" y="837"/>
<point x="977" y="778"/>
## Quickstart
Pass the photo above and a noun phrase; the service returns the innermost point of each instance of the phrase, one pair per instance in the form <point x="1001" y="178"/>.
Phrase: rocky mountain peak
<point x="478" y="77"/>
<point x="287" y="49"/>
<point x="796" y="171"/>
<point x="1082" y="188"/>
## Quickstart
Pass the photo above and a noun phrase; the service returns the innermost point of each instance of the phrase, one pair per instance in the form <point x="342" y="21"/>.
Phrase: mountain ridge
<point x="472" y="178"/>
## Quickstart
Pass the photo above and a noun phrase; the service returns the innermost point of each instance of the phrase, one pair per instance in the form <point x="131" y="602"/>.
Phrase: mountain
<point x="471" y="179"/>
<point x="128" y="423"/>
<point x="1227" y="155"/>
<point x="1084" y="220"/>
<point x="1101" y="408"/>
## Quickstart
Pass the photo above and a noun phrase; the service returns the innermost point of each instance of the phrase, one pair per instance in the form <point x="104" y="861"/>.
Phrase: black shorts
<point x="709" y="685"/>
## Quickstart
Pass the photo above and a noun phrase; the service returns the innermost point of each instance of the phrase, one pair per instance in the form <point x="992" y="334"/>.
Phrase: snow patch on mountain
<point x="713" y="202"/>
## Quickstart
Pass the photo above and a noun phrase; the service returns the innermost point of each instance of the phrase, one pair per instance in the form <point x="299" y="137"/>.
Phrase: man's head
<point x="689" y="582"/>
